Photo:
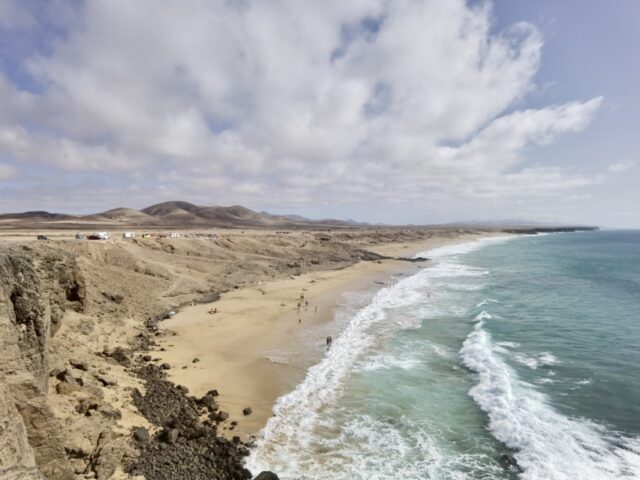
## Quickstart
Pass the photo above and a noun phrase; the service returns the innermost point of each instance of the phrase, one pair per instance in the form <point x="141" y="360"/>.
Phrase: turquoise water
<point x="527" y="346"/>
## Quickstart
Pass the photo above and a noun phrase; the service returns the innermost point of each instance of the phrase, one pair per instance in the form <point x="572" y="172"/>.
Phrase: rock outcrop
<point x="35" y="290"/>
<point x="184" y="446"/>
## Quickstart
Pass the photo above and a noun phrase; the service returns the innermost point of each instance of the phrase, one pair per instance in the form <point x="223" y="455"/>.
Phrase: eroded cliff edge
<point x="35" y="291"/>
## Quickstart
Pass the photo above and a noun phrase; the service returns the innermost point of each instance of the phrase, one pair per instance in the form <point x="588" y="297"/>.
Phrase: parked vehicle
<point x="98" y="236"/>
<point x="43" y="237"/>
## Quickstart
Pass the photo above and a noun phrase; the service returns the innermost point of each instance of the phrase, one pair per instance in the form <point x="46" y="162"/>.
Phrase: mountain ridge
<point x="175" y="213"/>
<point x="181" y="214"/>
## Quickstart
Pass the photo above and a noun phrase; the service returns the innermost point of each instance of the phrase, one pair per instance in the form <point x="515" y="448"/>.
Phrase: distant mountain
<point x="39" y="215"/>
<point x="178" y="214"/>
<point x="172" y="214"/>
<point x="184" y="213"/>
<point x="123" y="215"/>
<point x="511" y="223"/>
<point x="325" y="221"/>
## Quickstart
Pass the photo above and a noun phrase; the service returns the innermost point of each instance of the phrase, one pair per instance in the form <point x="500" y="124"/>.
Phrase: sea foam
<point x="290" y="433"/>
<point x="304" y="425"/>
<point x="549" y="445"/>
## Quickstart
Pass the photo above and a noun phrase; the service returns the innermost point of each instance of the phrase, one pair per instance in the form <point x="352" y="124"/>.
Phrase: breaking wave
<point x="549" y="445"/>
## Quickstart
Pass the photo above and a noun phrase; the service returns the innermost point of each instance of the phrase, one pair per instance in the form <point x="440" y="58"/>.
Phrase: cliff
<point x="34" y="293"/>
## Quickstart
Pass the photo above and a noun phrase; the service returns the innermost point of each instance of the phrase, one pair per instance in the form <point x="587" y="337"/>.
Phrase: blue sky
<point x="385" y="111"/>
<point x="591" y="48"/>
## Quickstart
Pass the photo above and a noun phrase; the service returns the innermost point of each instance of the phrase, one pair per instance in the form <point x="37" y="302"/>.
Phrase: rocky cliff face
<point x="35" y="290"/>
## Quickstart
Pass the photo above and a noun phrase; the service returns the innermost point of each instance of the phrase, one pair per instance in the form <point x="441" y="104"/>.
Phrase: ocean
<point x="522" y="347"/>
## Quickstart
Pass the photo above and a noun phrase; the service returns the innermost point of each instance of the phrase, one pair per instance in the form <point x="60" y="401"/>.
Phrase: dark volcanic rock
<point x="247" y="411"/>
<point x="508" y="462"/>
<point x="267" y="476"/>
<point x="141" y="434"/>
<point x="186" y="448"/>
<point x="163" y="402"/>
<point x="121" y="356"/>
<point x="413" y="259"/>
<point x="208" y="401"/>
<point x="368" y="256"/>
<point x="222" y="416"/>
<point x="170" y="435"/>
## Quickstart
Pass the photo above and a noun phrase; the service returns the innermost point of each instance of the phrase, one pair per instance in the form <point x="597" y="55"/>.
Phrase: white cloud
<point x="622" y="166"/>
<point x="292" y="101"/>
<point x="7" y="172"/>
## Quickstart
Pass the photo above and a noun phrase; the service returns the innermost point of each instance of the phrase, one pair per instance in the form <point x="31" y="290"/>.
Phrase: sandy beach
<point x="227" y="350"/>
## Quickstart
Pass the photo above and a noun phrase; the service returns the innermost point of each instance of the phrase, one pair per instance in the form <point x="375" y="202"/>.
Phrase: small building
<point x="128" y="235"/>
<point x="146" y="235"/>
<point x="174" y="235"/>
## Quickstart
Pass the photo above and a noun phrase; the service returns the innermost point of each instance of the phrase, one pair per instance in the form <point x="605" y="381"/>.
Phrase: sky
<point x="393" y="111"/>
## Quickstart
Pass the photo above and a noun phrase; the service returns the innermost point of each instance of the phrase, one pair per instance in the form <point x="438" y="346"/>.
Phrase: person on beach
<point x="306" y="304"/>
<point x="316" y="310"/>
<point x="329" y="341"/>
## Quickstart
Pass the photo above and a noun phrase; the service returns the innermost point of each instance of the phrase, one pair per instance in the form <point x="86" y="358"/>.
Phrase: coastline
<point x="232" y="345"/>
<point x="104" y="336"/>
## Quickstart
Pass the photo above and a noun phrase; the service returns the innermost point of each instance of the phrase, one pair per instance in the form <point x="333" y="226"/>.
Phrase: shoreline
<point x="232" y="346"/>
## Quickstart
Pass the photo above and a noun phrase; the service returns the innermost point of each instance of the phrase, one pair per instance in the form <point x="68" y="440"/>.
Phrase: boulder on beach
<point x="266" y="475"/>
<point x="208" y="401"/>
<point x="222" y="416"/>
<point x="141" y="434"/>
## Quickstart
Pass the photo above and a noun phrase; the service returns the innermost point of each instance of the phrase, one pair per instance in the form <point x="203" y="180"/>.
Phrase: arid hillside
<point x="167" y="214"/>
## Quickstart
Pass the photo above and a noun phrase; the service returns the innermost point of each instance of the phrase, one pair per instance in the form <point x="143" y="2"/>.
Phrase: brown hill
<point x="187" y="214"/>
<point x="39" y="215"/>
<point x="167" y="214"/>
<point x="126" y="216"/>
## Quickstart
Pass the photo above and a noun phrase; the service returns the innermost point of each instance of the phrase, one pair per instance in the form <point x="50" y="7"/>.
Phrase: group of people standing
<point x="305" y="303"/>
